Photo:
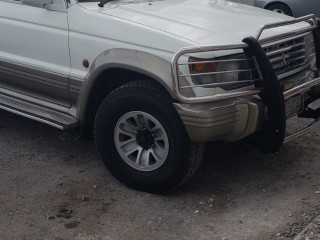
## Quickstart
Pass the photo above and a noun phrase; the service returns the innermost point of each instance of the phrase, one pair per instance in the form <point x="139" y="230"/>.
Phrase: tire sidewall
<point x="282" y="7"/>
<point x="173" y="169"/>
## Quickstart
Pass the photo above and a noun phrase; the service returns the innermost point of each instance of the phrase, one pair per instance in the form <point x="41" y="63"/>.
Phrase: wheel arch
<point x="279" y="2"/>
<point x="114" y="68"/>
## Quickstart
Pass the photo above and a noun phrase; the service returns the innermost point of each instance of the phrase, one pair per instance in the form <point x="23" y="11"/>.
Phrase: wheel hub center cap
<point x="145" y="138"/>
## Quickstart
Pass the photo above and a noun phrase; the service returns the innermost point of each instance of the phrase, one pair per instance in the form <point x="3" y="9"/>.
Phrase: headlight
<point x="228" y="73"/>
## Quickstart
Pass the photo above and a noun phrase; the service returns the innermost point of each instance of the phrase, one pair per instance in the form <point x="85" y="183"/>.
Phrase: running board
<point x="51" y="117"/>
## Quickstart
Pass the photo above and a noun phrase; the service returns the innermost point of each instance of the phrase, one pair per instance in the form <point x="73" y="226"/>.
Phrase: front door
<point x="34" y="52"/>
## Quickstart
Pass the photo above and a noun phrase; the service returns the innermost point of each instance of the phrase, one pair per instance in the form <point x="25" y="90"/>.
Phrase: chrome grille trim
<point x="288" y="56"/>
<point x="283" y="50"/>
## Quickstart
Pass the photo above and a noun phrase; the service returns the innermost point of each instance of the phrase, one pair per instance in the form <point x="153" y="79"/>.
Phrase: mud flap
<point x="272" y="137"/>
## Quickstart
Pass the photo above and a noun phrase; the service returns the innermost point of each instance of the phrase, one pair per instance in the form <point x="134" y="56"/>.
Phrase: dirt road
<point x="54" y="186"/>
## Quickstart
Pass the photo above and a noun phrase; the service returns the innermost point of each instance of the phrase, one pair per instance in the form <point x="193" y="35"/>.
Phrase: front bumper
<point x="231" y="116"/>
<point x="235" y="119"/>
<point x="226" y="121"/>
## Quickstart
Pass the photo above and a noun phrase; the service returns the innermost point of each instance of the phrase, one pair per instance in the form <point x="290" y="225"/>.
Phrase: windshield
<point x="121" y="1"/>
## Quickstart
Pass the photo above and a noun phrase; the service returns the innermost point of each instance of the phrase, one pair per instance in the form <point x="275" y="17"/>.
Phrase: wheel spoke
<point x="128" y="128"/>
<point x="137" y="162"/>
<point x="151" y="125"/>
<point x="155" y="126"/>
<point x="158" y="134"/>
<point x="141" y="121"/>
<point x="155" y="154"/>
<point x="145" y="157"/>
<point x="160" y="146"/>
<point x="137" y="148"/>
<point x="128" y="145"/>
<point x="158" y="138"/>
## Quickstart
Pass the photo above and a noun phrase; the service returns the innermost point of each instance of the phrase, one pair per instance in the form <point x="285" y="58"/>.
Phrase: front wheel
<point x="142" y="139"/>
<point x="280" y="8"/>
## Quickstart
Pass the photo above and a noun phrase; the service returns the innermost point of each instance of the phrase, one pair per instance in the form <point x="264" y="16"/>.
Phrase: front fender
<point x="144" y="63"/>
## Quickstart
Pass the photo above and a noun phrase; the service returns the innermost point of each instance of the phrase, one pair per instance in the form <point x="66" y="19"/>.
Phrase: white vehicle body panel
<point x="161" y="28"/>
<point x="102" y="33"/>
<point x="37" y="39"/>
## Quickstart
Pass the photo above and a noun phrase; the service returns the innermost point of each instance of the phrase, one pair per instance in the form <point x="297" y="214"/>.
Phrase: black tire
<point x="280" y="8"/>
<point x="183" y="156"/>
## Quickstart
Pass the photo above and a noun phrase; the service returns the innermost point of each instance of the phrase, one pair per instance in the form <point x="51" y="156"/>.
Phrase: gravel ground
<point x="311" y="232"/>
<point x="54" y="186"/>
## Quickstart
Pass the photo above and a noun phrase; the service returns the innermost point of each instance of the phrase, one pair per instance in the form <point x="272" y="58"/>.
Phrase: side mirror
<point x="52" y="5"/>
<point x="37" y="3"/>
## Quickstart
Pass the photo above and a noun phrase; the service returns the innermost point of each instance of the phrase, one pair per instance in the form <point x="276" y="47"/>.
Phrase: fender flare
<point x="152" y="66"/>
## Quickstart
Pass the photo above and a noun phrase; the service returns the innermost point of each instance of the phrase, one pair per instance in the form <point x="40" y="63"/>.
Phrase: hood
<point x="202" y="21"/>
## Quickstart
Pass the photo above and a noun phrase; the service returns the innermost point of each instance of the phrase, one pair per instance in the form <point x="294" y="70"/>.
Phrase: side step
<point x="40" y="114"/>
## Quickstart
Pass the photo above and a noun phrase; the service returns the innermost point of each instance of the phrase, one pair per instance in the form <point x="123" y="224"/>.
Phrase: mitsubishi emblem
<point x="284" y="61"/>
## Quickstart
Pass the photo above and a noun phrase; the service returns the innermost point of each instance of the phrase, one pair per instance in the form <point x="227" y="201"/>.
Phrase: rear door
<point x="305" y="7"/>
<point x="34" y="51"/>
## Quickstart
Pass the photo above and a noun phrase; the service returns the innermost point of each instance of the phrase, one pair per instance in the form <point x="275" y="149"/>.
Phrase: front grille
<point x="291" y="55"/>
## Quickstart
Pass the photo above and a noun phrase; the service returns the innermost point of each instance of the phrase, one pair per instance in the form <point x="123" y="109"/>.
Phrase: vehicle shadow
<point x="227" y="169"/>
<point x="230" y="170"/>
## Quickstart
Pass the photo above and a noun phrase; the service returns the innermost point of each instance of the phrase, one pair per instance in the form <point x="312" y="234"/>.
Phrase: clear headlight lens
<point x="228" y="73"/>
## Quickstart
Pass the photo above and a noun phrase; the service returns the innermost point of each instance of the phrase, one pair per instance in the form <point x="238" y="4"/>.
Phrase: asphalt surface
<point x="53" y="185"/>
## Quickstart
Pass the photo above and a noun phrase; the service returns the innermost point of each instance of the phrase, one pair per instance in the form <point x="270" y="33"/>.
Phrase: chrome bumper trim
<point x="301" y="88"/>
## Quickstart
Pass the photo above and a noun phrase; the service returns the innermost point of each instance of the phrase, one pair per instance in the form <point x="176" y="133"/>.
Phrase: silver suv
<point x="156" y="80"/>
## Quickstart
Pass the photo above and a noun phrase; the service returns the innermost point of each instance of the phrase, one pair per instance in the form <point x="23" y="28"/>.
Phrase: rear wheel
<point x="142" y="139"/>
<point x="280" y="8"/>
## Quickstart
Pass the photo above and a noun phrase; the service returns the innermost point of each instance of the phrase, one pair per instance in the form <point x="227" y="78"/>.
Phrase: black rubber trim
<point x="316" y="35"/>
<point x="272" y="137"/>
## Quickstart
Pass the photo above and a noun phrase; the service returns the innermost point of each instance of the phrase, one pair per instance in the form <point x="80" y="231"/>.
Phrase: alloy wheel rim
<point x="278" y="10"/>
<point x="141" y="141"/>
